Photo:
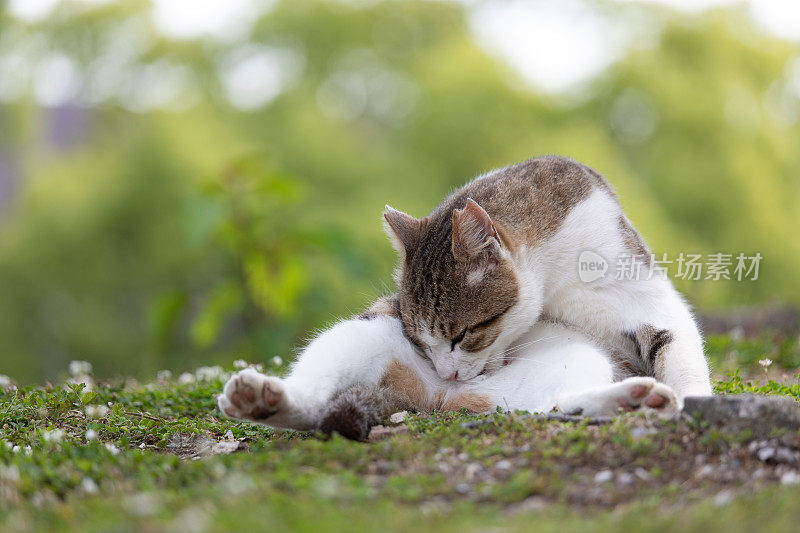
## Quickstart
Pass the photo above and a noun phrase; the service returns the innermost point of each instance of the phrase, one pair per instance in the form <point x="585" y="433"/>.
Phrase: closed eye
<point x="489" y="321"/>
<point x="458" y="338"/>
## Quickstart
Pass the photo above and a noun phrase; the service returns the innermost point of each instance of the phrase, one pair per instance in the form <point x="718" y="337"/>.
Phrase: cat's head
<point x="456" y="286"/>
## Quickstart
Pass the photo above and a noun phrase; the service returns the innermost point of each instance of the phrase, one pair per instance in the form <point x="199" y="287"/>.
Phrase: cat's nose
<point x="453" y="377"/>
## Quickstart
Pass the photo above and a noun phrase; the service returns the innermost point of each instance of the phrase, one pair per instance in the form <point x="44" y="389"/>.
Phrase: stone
<point x="723" y="498"/>
<point x="624" y="478"/>
<point x="378" y="433"/>
<point x="604" y="476"/>
<point x="398" y="418"/>
<point x="225" y="447"/>
<point x="472" y="471"/>
<point x="528" y="505"/>
<point x="790" y="478"/>
<point x="771" y="451"/>
<point x="503" y="465"/>
<point x="739" y="412"/>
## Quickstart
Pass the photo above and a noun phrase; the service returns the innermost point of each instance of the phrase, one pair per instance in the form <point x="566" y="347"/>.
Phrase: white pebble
<point x="790" y="478"/>
<point x="503" y="465"/>
<point x="603" y="476"/>
<point x="398" y="418"/>
<point x="624" y="478"/>
<point x="723" y="498"/>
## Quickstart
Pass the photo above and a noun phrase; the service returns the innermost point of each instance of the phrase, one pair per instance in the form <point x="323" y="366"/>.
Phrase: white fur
<point x="553" y="368"/>
<point x="605" y="309"/>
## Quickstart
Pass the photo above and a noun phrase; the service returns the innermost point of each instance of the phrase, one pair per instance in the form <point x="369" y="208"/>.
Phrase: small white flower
<point x="16" y="449"/>
<point x="96" y="411"/>
<point x="87" y="381"/>
<point x="28" y="450"/>
<point x="164" y="375"/>
<point x="91" y="435"/>
<point x="185" y="378"/>
<point x="5" y="381"/>
<point x="765" y="362"/>
<point x="80" y="368"/>
<point x="53" y="436"/>
<point x="88" y="486"/>
<point x="111" y="448"/>
<point x="240" y="364"/>
<point x="208" y="373"/>
<point x="277" y="361"/>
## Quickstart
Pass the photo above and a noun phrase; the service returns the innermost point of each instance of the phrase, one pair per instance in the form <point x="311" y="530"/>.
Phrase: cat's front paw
<point x="252" y="396"/>
<point x="632" y="394"/>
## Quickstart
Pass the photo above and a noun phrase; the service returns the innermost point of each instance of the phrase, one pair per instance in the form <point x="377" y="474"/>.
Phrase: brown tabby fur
<point x="434" y="290"/>
<point x="437" y="294"/>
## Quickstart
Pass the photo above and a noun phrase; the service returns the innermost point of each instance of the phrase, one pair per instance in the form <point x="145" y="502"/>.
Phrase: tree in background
<point x="165" y="214"/>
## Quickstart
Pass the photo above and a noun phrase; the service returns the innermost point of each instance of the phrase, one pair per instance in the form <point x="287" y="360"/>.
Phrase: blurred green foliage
<point x="147" y="238"/>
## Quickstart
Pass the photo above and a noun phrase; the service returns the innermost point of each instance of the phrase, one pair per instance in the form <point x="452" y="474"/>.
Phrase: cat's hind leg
<point x="632" y="394"/>
<point x="353" y="352"/>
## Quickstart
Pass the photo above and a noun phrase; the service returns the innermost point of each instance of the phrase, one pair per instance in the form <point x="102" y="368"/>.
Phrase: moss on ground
<point x="127" y="456"/>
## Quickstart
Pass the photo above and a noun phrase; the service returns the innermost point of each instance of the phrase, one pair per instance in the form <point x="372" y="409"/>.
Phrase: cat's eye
<point x="458" y="338"/>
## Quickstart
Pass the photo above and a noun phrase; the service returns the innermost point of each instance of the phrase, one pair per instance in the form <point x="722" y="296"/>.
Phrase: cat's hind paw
<point x="252" y="396"/>
<point x="646" y="394"/>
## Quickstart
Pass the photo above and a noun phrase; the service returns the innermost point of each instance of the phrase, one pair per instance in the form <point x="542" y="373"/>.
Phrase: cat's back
<point x="533" y="197"/>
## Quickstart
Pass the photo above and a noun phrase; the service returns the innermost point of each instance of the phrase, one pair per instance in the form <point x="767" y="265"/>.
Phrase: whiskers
<point x="509" y="352"/>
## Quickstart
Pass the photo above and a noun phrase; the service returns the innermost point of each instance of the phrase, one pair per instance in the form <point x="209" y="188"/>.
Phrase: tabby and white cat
<point x="491" y="311"/>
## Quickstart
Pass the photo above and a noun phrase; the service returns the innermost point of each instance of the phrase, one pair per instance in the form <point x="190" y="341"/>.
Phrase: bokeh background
<point x="190" y="182"/>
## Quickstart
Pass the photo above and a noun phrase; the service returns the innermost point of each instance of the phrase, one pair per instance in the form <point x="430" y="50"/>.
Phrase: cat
<point x="494" y="310"/>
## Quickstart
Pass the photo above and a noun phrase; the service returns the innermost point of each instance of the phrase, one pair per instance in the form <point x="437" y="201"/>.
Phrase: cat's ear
<point x="474" y="236"/>
<point x="404" y="230"/>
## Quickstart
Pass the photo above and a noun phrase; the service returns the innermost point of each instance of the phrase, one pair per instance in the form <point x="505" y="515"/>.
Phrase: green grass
<point x="132" y="457"/>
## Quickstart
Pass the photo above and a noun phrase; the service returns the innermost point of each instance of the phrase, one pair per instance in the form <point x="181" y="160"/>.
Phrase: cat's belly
<point x="558" y="361"/>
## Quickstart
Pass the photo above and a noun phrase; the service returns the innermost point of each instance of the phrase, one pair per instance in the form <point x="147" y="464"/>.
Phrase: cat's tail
<point x="354" y="411"/>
